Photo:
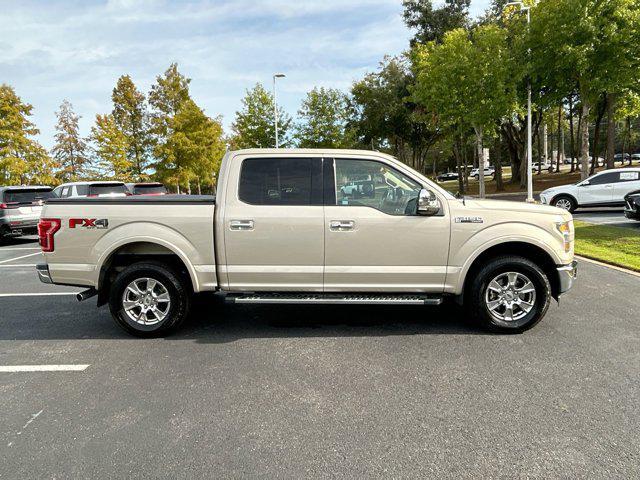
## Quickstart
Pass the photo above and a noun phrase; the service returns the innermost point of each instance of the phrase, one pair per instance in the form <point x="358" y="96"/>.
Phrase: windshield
<point x="26" y="196"/>
<point x="107" y="189"/>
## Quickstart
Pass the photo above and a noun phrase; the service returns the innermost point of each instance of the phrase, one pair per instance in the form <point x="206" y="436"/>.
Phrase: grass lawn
<point x="614" y="245"/>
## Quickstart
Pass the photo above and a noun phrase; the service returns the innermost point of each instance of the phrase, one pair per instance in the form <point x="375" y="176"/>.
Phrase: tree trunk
<point x="539" y="151"/>
<point x="596" y="135"/>
<point x="498" y="163"/>
<point x="458" y="156"/>
<point x="545" y="154"/>
<point x="562" y="155"/>
<point x="583" y="132"/>
<point x="560" y="138"/>
<point x="611" y="130"/>
<point x="627" y="140"/>
<point x="572" y="146"/>
<point x="199" y="188"/>
<point x="480" y="150"/>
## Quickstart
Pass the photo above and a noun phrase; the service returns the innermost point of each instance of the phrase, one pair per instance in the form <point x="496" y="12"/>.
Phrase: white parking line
<point x="42" y="368"/>
<point x="52" y="294"/>
<point x="19" y="258"/>
<point x="4" y="249"/>
<point x="18" y="265"/>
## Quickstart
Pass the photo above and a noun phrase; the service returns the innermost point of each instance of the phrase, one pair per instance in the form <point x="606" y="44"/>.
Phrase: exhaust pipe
<point x="82" y="296"/>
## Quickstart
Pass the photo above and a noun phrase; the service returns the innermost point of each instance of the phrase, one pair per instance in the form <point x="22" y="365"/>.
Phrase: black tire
<point x="565" y="198"/>
<point x="178" y="289"/>
<point x="475" y="296"/>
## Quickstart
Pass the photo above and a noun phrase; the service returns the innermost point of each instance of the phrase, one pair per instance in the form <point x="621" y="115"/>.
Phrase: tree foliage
<point x="431" y="23"/>
<point x="131" y="116"/>
<point x="70" y="149"/>
<point x="22" y="158"/>
<point x="323" y="120"/>
<point x="111" y="150"/>
<point x="254" y="125"/>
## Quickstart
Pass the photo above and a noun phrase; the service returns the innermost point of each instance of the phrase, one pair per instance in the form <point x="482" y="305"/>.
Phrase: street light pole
<point x="529" y="126"/>
<point x="275" y="103"/>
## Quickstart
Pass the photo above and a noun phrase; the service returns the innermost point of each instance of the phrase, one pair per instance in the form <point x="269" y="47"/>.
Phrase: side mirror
<point x="428" y="203"/>
<point x="585" y="183"/>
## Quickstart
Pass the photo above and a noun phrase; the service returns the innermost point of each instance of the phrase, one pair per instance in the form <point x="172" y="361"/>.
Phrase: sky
<point x="52" y="50"/>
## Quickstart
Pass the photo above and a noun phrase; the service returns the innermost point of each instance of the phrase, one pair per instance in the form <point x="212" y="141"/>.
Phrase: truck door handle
<point x="341" y="225"/>
<point x="241" y="224"/>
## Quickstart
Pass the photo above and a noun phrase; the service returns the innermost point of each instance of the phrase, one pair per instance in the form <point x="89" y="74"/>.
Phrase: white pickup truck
<point x="280" y="231"/>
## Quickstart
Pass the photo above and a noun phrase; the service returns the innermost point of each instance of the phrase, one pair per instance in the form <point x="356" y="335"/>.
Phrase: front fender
<point x="465" y="252"/>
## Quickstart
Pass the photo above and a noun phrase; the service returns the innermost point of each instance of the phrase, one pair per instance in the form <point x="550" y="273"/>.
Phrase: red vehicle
<point x="148" y="188"/>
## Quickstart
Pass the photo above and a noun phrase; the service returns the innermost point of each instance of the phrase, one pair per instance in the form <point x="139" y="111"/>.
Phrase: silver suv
<point x="20" y="209"/>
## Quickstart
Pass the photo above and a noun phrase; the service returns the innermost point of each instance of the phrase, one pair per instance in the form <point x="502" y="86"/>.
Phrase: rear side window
<point x="609" y="177"/>
<point x="106" y="189"/>
<point x="281" y="181"/>
<point x="26" y="196"/>
<point x="149" y="190"/>
<point x="82" y="190"/>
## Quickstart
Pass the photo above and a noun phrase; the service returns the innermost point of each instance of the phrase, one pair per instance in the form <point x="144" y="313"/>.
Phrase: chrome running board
<point x="334" y="299"/>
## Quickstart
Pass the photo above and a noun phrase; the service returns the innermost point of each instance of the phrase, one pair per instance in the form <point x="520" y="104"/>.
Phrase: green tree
<point x="194" y="149"/>
<point x="110" y="148"/>
<point x="132" y="118"/>
<point x="70" y="149"/>
<point x="254" y="125"/>
<point x="22" y="159"/>
<point x="323" y="120"/>
<point x="431" y="23"/>
<point x="467" y="81"/>
<point x="588" y="46"/>
<point x="384" y="117"/>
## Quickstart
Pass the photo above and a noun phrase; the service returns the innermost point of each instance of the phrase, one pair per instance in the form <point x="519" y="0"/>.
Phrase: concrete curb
<point x="608" y="265"/>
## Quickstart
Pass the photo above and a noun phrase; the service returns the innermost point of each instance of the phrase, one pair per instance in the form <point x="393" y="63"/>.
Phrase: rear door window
<point x="281" y="181"/>
<point x="604" y="178"/>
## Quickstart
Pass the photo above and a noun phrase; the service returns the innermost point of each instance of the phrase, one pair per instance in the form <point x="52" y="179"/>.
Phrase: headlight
<point x="565" y="229"/>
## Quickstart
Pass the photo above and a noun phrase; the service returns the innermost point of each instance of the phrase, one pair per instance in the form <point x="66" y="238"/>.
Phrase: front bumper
<point x="43" y="273"/>
<point x="567" y="275"/>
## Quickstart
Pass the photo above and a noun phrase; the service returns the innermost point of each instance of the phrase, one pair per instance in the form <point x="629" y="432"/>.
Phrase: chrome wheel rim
<point x="510" y="296"/>
<point x="146" y="301"/>
<point x="564" y="204"/>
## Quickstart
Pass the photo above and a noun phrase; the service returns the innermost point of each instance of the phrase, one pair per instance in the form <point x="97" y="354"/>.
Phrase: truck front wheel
<point x="509" y="294"/>
<point x="149" y="300"/>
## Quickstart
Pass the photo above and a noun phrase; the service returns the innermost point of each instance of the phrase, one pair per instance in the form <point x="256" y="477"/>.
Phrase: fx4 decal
<point x="88" y="223"/>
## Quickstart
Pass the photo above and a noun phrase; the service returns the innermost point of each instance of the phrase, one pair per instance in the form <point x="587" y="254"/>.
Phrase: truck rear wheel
<point x="149" y="300"/>
<point x="509" y="294"/>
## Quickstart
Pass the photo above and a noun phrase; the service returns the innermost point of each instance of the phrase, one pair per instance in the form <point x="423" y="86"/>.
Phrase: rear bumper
<point x="43" y="273"/>
<point x="567" y="275"/>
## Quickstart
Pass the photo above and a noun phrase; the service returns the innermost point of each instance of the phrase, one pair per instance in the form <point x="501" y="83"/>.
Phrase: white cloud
<point x="77" y="50"/>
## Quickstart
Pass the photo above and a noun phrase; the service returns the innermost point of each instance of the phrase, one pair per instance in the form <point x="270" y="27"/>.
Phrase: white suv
<point x="605" y="189"/>
<point x="489" y="172"/>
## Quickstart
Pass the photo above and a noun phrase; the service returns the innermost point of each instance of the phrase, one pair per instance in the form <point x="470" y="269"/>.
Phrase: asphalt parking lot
<point x="297" y="392"/>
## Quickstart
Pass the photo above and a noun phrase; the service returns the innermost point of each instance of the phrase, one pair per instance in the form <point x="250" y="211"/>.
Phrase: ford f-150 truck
<point x="282" y="230"/>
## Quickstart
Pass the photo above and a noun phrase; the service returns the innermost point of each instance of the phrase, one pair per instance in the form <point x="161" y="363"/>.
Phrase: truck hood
<point x="506" y="205"/>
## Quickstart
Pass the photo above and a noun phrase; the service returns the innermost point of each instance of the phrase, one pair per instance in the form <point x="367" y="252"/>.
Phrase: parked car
<point x="20" y="209"/>
<point x="281" y="231"/>
<point x="489" y="172"/>
<point x="619" y="157"/>
<point x="148" y="188"/>
<point x="91" y="189"/>
<point x="635" y="156"/>
<point x="448" y="176"/>
<point x="604" y="189"/>
<point x="632" y="205"/>
<point x="543" y="166"/>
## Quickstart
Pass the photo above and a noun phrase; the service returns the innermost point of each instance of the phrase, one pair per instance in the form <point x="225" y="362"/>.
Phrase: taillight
<point x="47" y="227"/>
<point x="6" y="206"/>
<point x="92" y="195"/>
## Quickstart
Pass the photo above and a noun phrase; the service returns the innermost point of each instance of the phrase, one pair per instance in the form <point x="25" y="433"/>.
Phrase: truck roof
<point x="308" y="151"/>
